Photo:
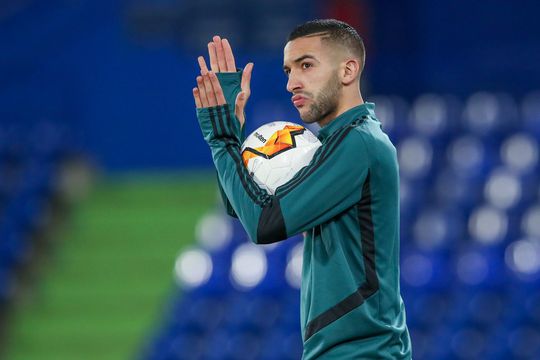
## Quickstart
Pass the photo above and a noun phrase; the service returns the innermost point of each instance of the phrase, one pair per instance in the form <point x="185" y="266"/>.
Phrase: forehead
<point x="312" y="45"/>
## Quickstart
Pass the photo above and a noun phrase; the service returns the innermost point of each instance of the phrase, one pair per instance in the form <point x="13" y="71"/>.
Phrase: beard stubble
<point x="326" y="101"/>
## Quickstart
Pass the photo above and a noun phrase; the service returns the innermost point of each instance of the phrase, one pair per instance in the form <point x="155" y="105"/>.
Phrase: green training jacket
<point x="347" y="203"/>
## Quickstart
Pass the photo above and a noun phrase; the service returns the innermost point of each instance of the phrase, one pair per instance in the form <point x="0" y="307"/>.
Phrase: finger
<point x="245" y="83"/>
<point x="220" y="54"/>
<point x="197" y="98"/>
<point x="202" y="65"/>
<point x="213" y="57"/>
<point x="210" y="95"/>
<point x="218" y="91"/>
<point x="202" y="91"/>
<point x="229" y="57"/>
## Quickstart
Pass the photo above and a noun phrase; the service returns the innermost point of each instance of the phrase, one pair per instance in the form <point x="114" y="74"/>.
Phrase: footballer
<point x="346" y="200"/>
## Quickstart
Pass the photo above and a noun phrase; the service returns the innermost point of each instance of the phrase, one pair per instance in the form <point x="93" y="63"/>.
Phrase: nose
<point x="293" y="84"/>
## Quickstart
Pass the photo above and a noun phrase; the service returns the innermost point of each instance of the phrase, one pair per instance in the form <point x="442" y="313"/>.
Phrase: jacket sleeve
<point x="330" y="184"/>
<point x="230" y="83"/>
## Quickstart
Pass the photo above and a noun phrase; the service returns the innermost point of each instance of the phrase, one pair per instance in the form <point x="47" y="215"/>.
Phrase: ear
<point x="351" y="71"/>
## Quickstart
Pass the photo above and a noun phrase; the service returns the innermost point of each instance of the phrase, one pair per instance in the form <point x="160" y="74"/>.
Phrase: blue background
<point x="119" y="74"/>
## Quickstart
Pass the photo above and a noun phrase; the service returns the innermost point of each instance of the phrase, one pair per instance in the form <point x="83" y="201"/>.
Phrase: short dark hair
<point x="336" y="31"/>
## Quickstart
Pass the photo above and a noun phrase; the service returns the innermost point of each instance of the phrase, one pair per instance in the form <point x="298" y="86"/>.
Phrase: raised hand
<point x="221" y="57"/>
<point x="208" y="92"/>
<point x="221" y="61"/>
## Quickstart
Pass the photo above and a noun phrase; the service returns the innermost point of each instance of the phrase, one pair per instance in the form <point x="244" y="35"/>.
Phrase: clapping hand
<point x="208" y="91"/>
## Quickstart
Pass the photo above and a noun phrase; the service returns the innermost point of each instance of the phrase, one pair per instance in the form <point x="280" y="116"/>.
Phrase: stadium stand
<point x="31" y="160"/>
<point x="470" y="242"/>
<point x="117" y="73"/>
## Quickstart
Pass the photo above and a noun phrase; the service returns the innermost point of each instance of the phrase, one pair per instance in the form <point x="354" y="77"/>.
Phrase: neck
<point x="343" y="106"/>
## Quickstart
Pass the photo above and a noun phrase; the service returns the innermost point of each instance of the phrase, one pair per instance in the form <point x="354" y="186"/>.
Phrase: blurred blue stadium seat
<point x="470" y="215"/>
<point x="31" y="155"/>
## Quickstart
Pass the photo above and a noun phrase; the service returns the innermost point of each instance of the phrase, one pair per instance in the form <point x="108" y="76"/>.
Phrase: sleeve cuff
<point x="230" y="83"/>
<point x="219" y="123"/>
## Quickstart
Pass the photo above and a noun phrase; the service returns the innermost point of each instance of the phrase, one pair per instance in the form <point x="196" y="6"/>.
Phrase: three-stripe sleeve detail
<point x="224" y="130"/>
<point x="217" y="109"/>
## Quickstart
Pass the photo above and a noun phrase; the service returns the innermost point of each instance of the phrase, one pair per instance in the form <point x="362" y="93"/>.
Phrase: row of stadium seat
<point x="490" y="116"/>
<point x="227" y="300"/>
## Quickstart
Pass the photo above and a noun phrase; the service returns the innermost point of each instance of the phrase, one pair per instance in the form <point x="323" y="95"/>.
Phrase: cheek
<point x="320" y="79"/>
<point x="314" y="85"/>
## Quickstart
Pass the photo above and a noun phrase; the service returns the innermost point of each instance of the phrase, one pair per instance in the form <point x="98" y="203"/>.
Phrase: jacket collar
<point x="346" y="118"/>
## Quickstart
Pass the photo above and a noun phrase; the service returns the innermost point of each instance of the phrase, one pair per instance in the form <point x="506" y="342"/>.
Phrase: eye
<point x="287" y="72"/>
<point x="306" y="65"/>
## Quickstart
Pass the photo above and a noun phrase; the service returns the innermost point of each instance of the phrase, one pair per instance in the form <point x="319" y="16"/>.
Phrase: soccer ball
<point x="275" y="152"/>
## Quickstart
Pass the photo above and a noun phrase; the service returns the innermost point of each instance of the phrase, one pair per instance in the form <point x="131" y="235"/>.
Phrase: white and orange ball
<point x="275" y="152"/>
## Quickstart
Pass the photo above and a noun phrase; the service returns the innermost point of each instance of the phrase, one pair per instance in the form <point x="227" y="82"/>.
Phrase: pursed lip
<point x="298" y="100"/>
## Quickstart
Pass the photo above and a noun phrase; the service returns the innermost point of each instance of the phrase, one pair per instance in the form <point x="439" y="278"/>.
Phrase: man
<point x="345" y="200"/>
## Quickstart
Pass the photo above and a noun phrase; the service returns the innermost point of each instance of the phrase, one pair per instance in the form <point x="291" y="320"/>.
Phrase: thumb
<point x="240" y="105"/>
<point x="241" y="100"/>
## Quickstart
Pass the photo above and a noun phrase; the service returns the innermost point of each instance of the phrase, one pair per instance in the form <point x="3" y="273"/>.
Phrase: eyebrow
<point x="303" y="57"/>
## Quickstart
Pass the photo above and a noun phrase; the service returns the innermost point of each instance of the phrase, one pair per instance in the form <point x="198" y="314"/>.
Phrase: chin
<point x="307" y="120"/>
<point x="304" y="115"/>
